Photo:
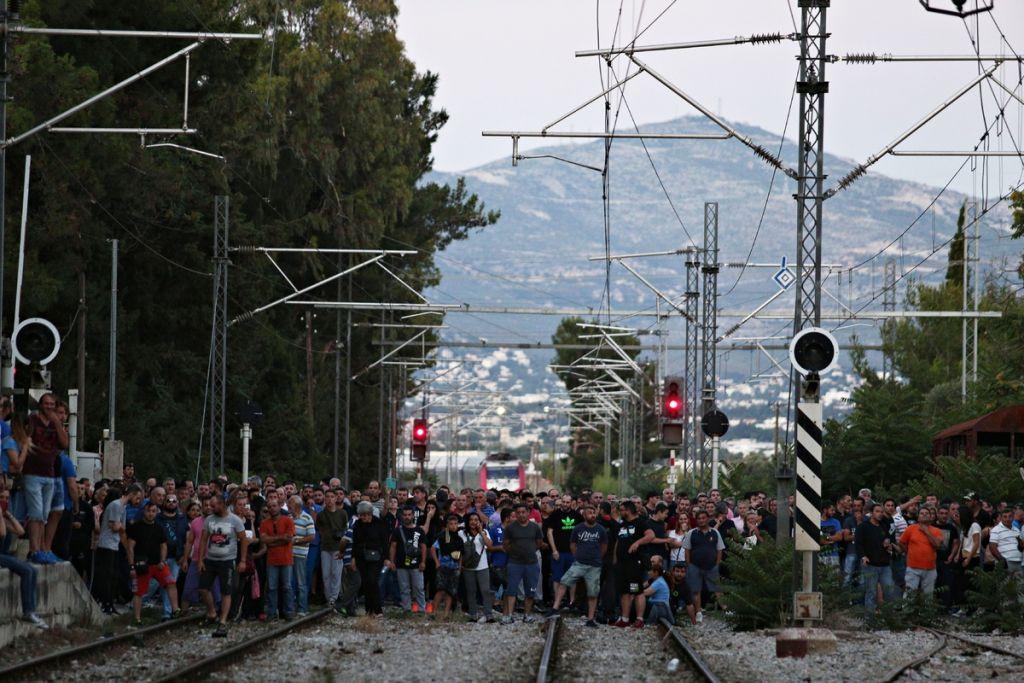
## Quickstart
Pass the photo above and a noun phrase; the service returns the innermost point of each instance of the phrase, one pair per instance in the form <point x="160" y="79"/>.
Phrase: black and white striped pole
<point x="813" y="352"/>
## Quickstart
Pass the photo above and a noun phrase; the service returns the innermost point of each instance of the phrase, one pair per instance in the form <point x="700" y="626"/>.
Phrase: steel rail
<point x="697" y="663"/>
<point x="551" y="632"/>
<point x="973" y="643"/>
<point x="201" y="668"/>
<point x="90" y="647"/>
<point x="896" y="673"/>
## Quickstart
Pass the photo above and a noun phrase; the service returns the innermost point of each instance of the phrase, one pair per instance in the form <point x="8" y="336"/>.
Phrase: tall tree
<point x="327" y="130"/>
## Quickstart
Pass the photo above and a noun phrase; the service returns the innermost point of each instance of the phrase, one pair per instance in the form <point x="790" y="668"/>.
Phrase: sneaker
<point x="591" y="623"/>
<point x="482" y="620"/>
<point x="529" y="619"/>
<point x="621" y="623"/>
<point x="221" y="632"/>
<point x="210" y="621"/>
<point x="506" y="620"/>
<point x="638" y="624"/>
<point x="415" y="607"/>
<point x="34" y="619"/>
<point x="700" y="617"/>
<point x="430" y="608"/>
<point x="38" y="557"/>
<point x="176" y="614"/>
<point x="51" y="558"/>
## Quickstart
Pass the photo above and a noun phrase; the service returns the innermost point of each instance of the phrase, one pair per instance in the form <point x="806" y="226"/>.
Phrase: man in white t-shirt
<point x="1004" y="542"/>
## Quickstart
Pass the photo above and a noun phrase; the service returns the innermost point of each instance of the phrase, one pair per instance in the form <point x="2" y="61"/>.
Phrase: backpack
<point x="470" y="555"/>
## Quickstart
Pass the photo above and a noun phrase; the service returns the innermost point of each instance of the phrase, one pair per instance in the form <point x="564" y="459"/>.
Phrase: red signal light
<point x="420" y="432"/>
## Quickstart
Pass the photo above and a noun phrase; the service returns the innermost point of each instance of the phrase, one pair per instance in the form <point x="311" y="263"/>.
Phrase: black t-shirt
<point x="407" y="542"/>
<point x="629" y="533"/>
<point x="950" y="532"/>
<point x="679" y="596"/>
<point x="612" y="527"/>
<point x="419" y="517"/>
<point x="561" y="523"/>
<point x="652" y="549"/>
<point x="148" y="539"/>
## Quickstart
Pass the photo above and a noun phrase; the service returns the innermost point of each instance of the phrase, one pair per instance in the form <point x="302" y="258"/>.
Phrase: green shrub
<point x="759" y="590"/>
<point x="994" y="599"/>
<point x="912" y="610"/>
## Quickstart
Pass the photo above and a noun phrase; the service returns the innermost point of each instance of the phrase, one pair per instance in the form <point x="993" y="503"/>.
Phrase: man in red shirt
<point x="276" y="532"/>
<point x="921" y="542"/>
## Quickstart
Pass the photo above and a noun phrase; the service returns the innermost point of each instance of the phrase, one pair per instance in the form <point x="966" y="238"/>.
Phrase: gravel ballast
<point x="610" y="653"/>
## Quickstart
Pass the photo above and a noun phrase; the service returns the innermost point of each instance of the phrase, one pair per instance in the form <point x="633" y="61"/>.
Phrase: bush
<point x="995" y="601"/>
<point x="759" y="590"/>
<point x="912" y="610"/>
<point x="992" y="476"/>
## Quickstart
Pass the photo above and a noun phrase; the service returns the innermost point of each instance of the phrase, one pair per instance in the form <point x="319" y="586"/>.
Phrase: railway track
<point x="204" y="666"/>
<point x="945" y="640"/>
<point x="554" y="646"/>
<point x="37" y="664"/>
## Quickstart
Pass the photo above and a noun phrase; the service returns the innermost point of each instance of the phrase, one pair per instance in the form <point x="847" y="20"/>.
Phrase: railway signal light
<point x="672" y="408"/>
<point x="420" y="436"/>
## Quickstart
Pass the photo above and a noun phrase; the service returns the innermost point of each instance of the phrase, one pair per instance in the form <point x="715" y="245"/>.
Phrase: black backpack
<point x="470" y="555"/>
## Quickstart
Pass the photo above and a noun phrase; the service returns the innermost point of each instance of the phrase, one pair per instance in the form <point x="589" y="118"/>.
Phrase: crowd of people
<point x="266" y="549"/>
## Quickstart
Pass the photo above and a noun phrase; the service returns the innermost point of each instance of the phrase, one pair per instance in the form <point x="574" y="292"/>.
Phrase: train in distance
<point x="484" y="471"/>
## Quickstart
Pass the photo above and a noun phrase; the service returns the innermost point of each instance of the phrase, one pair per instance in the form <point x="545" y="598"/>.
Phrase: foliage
<point x="909" y="611"/>
<point x="327" y="131"/>
<point x="759" y="591"/>
<point x="752" y="472"/>
<point x="955" y="265"/>
<point x="1017" y="223"/>
<point x="993" y="475"/>
<point x="996" y="598"/>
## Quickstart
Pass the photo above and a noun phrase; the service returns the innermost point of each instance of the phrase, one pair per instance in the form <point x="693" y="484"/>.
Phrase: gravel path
<point x="608" y="653"/>
<point x="397" y="648"/>
<point x="961" y="662"/>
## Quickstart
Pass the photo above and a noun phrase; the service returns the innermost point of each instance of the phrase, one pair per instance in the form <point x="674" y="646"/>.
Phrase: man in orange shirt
<point x="921" y="542"/>
<point x="276" y="532"/>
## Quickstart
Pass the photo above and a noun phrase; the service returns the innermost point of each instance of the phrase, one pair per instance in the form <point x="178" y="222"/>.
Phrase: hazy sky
<point x="509" y="64"/>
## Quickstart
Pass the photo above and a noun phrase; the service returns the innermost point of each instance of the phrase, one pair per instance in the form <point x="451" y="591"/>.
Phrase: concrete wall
<point x="62" y="599"/>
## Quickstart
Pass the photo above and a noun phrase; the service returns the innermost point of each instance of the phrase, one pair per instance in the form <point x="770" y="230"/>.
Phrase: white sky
<point x="509" y="64"/>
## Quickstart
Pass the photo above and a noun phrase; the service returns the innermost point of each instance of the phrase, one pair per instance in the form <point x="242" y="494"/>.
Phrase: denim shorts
<point x="528" y="574"/>
<point x="57" y="501"/>
<point x="38" y="493"/>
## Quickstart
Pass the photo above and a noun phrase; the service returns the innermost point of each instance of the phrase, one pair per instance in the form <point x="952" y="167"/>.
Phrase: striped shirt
<point x="899" y="524"/>
<point x="304" y="526"/>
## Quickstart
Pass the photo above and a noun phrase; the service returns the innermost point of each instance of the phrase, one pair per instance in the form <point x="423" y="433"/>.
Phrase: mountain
<point x="536" y="255"/>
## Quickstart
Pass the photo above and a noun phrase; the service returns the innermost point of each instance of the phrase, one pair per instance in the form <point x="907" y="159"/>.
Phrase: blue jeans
<point x="38" y="492"/>
<point x="871" y="577"/>
<point x="560" y="566"/>
<point x="528" y="574"/>
<point x="27" y="573"/>
<point x="850" y="564"/>
<point x="299" y="582"/>
<point x="389" y="588"/>
<point x="312" y="562"/>
<point x="279" y="578"/>
<point x="899" y="571"/>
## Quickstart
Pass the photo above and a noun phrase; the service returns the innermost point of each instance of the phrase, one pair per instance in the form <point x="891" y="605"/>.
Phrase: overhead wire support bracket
<point x="861" y="169"/>
<point x="758" y="150"/>
<point x="756" y="39"/>
<point x="873" y="58"/>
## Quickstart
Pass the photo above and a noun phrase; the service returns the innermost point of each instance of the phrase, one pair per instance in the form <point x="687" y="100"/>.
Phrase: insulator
<point x="852" y="176"/>
<point x="767" y="156"/>
<point x="766" y="38"/>
<point x="861" y="58"/>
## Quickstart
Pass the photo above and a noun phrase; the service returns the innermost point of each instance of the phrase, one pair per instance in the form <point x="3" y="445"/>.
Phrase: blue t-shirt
<point x="7" y="444"/>
<point x="660" y="593"/>
<point x="67" y="469"/>
<point x="499" y="558"/>
<point x="588" y="540"/>
<point x="830" y="527"/>
<point x="5" y="429"/>
<point x="314" y="510"/>
<point x="133" y="512"/>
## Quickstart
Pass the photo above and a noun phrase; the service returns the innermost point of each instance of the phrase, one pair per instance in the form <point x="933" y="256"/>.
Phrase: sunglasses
<point x="172" y="500"/>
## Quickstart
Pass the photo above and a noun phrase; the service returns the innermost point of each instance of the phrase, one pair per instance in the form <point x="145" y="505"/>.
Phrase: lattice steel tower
<point x="219" y="332"/>
<point x="709" y="324"/>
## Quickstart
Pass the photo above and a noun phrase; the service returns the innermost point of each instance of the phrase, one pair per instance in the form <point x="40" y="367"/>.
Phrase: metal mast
<point x="219" y="331"/>
<point x="812" y="88"/>
<point x="692" y="387"/>
<point x="888" y="304"/>
<point x="709" y="327"/>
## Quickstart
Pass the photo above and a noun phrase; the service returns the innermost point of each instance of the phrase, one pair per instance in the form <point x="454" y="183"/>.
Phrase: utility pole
<point x="709" y="338"/>
<point x="969" y="342"/>
<point x="6" y="359"/>
<point x="810" y="195"/>
<point x="690" y="373"/>
<point x="888" y="304"/>
<point x="348" y="381"/>
<point x="82" y="315"/>
<point x="112" y="367"/>
<point x="219" y="332"/>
